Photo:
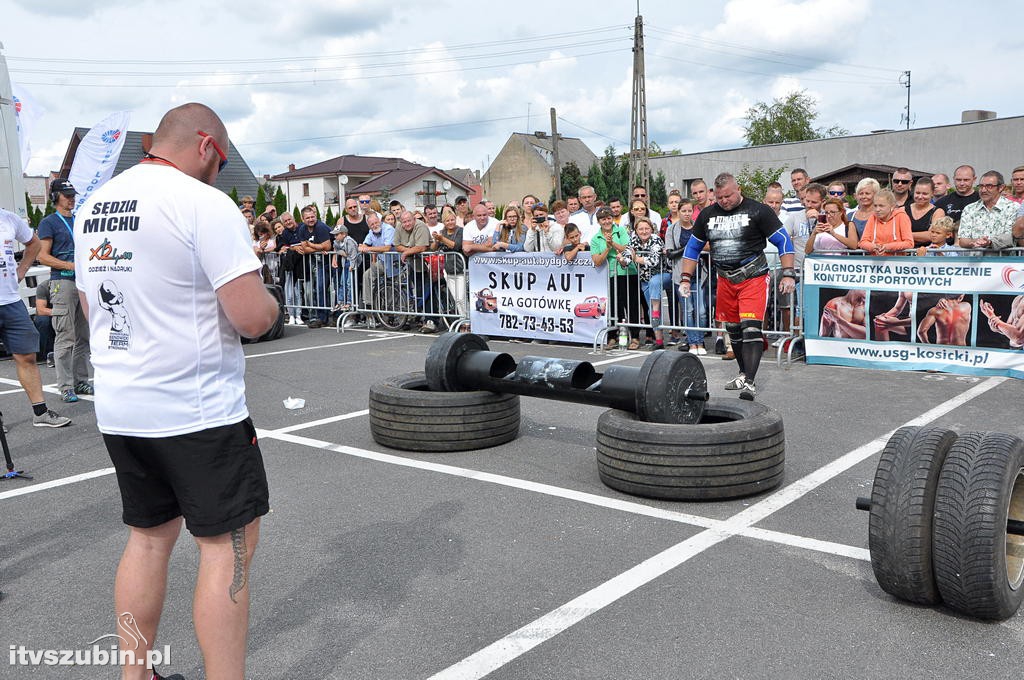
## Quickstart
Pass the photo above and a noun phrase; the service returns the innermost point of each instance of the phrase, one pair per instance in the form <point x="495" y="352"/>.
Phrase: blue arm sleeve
<point x="695" y="245"/>
<point x="781" y="240"/>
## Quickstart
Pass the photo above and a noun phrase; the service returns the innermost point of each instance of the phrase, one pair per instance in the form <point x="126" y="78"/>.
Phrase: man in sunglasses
<point x="165" y="326"/>
<point x="641" y="193"/>
<point x="901" y="183"/>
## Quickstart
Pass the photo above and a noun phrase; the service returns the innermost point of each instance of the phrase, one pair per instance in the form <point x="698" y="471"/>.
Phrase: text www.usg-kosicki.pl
<point x="19" y="655"/>
<point x="960" y="356"/>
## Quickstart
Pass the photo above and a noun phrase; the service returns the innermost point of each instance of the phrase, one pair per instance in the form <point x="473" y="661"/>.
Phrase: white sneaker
<point x="694" y="350"/>
<point x="749" y="390"/>
<point x="736" y="383"/>
<point x="701" y="351"/>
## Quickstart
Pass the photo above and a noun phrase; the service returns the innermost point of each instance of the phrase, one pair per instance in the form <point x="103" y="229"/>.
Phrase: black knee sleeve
<point x="751" y="330"/>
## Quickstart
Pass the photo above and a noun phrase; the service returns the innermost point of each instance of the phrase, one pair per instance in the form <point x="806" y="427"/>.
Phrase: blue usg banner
<point x="952" y="314"/>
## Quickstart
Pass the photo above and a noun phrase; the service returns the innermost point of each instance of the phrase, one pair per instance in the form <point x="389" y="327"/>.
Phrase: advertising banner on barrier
<point x="953" y="314"/>
<point x="537" y="296"/>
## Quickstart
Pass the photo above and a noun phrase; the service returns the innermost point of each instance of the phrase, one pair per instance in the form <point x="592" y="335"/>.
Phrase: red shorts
<point x="745" y="301"/>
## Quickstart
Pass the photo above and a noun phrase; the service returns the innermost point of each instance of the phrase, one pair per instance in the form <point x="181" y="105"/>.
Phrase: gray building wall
<point x="987" y="145"/>
<point x="517" y="170"/>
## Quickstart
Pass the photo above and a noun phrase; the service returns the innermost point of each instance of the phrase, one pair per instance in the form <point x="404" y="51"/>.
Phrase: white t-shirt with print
<point x="471" y="231"/>
<point x="12" y="228"/>
<point x="153" y="245"/>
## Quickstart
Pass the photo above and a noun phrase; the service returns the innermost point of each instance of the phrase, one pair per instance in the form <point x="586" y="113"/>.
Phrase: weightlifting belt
<point x="756" y="267"/>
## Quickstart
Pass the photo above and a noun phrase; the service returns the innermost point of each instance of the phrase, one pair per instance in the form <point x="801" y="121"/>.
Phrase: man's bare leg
<point x="141" y="584"/>
<point x="28" y="376"/>
<point x="221" y="604"/>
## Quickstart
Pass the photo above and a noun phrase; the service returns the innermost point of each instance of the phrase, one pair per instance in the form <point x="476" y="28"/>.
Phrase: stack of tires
<point x="940" y="509"/>
<point x="737" y="449"/>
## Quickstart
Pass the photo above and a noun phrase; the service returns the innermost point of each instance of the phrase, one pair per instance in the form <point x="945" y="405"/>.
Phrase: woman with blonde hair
<point x="865" y="194"/>
<point x="888" y="230"/>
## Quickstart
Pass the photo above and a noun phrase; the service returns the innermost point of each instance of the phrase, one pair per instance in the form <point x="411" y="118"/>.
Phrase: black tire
<point x="737" y="449"/>
<point x="405" y="415"/>
<point x="979" y="568"/>
<point x="902" y="508"/>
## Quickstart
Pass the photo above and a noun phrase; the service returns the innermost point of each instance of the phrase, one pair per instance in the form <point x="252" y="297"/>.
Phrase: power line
<point x="593" y="132"/>
<point x="762" y="73"/>
<point x="416" y="74"/>
<point x="312" y="69"/>
<point x="561" y="37"/>
<point x="383" y="132"/>
<point x="735" y="46"/>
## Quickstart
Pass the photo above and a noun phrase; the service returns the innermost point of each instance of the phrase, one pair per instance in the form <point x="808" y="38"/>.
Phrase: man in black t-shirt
<point x="953" y="204"/>
<point x="738" y="230"/>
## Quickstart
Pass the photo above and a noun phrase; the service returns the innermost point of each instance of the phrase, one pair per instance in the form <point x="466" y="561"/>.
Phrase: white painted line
<point x="52" y="389"/>
<point x="391" y="336"/>
<point x="518" y="642"/>
<point x="55" y="483"/>
<point x="805" y="543"/>
<point x="312" y="423"/>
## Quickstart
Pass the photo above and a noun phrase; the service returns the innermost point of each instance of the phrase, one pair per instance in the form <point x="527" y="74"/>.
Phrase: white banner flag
<point x="26" y="114"/>
<point x="97" y="155"/>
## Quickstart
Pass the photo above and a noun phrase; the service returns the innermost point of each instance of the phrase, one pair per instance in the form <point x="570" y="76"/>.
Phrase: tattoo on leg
<point x="238" y="548"/>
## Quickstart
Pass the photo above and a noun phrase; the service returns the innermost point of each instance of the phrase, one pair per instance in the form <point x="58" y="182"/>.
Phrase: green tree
<point x="37" y="216"/>
<point x="297" y="215"/>
<point x="614" y="172"/>
<point x="234" y="195"/>
<point x="49" y="210"/>
<point x="330" y="219"/>
<point x="658" y="195"/>
<point x="29" y="212"/>
<point x="261" y="200"/>
<point x="754" y="181"/>
<point x="787" y="119"/>
<point x="571" y="179"/>
<point x="596" y="180"/>
<point x="280" y="201"/>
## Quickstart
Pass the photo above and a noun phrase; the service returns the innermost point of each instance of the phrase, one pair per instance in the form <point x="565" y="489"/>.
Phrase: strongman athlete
<point x="737" y="229"/>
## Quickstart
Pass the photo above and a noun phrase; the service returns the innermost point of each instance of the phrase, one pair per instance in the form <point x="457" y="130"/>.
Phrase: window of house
<point x="429" y="189"/>
<point x="305" y="189"/>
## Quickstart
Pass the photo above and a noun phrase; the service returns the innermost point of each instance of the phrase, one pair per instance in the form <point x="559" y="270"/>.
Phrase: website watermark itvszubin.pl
<point x="127" y="648"/>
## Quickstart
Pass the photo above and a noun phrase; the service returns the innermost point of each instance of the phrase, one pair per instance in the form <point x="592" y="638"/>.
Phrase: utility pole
<point x="554" y="156"/>
<point x="639" y="170"/>
<point x="906" y="74"/>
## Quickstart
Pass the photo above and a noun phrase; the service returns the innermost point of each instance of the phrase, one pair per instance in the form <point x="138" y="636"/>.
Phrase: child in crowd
<point x="346" y="252"/>
<point x="572" y="246"/>
<point x="939" y="234"/>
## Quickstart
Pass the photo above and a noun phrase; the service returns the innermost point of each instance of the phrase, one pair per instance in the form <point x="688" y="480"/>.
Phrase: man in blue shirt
<point x="71" y="331"/>
<point x="379" y="242"/>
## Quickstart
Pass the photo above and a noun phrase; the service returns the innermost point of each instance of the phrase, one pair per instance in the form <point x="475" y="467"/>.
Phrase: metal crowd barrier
<point x="694" y="317"/>
<point x="390" y="293"/>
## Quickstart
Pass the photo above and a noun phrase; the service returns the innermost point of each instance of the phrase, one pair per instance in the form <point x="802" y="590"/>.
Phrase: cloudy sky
<point x="445" y="82"/>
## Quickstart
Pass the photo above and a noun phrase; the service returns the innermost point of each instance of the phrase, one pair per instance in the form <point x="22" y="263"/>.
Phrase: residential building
<point x="525" y="165"/>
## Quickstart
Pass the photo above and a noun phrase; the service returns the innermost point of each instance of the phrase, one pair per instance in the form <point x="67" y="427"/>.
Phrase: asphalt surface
<point x="513" y="562"/>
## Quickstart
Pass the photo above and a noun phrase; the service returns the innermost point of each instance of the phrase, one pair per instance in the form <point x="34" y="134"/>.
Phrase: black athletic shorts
<point x="214" y="478"/>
